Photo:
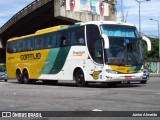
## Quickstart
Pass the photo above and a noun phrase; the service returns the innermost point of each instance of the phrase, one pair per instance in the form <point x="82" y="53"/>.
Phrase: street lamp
<point x="122" y="11"/>
<point x="158" y="34"/>
<point x="139" y="2"/>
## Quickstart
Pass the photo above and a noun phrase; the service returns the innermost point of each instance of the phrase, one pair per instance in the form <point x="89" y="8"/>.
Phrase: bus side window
<point x="20" y="45"/>
<point x="15" y="46"/>
<point x="68" y="37"/>
<point x="37" y="43"/>
<point x="73" y="37"/>
<point x="49" y="41"/>
<point x="94" y="43"/>
<point x="44" y="42"/>
<point x="25" y="45"/>
<point x="80" y="34"/>
<point x="54" y="40"/>
<point x="42" y="45"/>
<point x="58" y="39"/>
<point x="77" y="36"/>
<point x="31" y="44"/>
<point x="9" y="47"/>
<point x="65" y="38"/>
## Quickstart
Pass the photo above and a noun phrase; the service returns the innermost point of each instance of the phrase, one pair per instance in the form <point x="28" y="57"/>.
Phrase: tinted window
<point x="73" y="36"/>
<point x="31" y="44"/>
<point x="64" y="38"/>
<point x="15" y="46"/>
<point x="25" y="43"/>
<point x="39" y="42"/>
<point x="9" y="47"/>
<point x="94" y="43"/>
<point x="77" y="36"/>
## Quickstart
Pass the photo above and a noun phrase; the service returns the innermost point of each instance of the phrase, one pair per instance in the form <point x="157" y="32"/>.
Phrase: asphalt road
<point x="66" y="96"/>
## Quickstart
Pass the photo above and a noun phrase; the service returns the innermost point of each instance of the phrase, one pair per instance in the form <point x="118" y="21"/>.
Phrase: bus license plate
<point x="128" y="77"/>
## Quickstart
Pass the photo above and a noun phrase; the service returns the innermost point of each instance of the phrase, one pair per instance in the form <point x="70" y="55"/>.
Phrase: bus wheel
<point x="19" y="76"/>
<point x="25" y="77"/>
<point x="79" y="78"/>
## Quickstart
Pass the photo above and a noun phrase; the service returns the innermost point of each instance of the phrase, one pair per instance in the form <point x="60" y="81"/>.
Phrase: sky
<point x="150" y="9"/>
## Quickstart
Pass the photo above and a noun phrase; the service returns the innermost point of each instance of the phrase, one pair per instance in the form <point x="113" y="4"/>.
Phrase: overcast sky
<point x="149" y="9"/>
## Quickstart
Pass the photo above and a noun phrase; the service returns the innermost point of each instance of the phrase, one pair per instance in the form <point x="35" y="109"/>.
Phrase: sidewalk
<point x="154" y="74"/>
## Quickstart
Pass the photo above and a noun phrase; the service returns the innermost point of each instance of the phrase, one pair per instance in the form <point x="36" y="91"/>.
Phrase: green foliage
<point x="3" y="66"/>
<point x="153" y="55"/>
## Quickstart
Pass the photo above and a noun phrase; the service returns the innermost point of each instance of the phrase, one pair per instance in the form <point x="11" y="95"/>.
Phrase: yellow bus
<point x="97" y="51"/>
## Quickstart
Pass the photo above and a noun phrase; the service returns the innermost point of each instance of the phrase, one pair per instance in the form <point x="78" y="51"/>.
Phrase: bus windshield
<point x="125" y="47"/>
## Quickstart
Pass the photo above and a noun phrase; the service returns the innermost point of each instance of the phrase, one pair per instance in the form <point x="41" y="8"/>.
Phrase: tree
<point x="153" y="55"/>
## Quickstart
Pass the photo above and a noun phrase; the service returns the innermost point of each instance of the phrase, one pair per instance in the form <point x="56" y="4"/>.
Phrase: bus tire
<point x="26" y="77"/>
<point x="19" y="77"/>
<point x="79" y="78"/>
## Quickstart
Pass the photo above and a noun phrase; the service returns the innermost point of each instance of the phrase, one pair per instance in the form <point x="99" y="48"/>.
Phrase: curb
<point x="154" y="74"/>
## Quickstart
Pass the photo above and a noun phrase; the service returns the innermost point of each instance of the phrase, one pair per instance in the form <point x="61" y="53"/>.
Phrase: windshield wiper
<point x="134" y="58"/>
<point x="124" y="59"/>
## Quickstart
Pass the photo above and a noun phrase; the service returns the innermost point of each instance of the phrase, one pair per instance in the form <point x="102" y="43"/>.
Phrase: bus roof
<point x="39" y="32"/>
<point x="106" y="22"/>
<point x="61" y="27"/>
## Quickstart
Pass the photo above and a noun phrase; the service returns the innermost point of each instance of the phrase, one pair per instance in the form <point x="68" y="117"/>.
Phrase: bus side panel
<point x="57" y="64"/>
<point x="79" y="58"/>
<point x="10" y="65"/>
<point x="32" y="61"/>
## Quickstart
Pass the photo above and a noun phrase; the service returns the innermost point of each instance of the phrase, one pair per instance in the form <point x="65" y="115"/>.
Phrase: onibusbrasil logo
<point x="21" y="114"/>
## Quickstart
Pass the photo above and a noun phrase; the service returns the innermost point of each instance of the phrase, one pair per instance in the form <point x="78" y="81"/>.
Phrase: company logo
<point x="21" y="114"/>
<point x="80" y="53"/>
<point x="31" y="56"/>
<point x="95" y="74"/>
<point x="6" y="114"/>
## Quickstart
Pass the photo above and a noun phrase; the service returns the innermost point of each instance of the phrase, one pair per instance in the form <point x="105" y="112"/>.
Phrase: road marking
<point x="11" y="106"/>
<point x="97" y="110"/>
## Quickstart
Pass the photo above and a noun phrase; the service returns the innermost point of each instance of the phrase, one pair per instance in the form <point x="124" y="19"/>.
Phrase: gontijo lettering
<point x="31" y="56"/>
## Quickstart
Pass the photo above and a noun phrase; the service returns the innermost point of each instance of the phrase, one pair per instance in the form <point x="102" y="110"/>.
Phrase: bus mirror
<point x="148" y="42"/>
<point x="106" y="41"/>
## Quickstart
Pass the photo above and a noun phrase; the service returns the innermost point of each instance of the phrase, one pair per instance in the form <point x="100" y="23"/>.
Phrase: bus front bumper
<point x="125" y="77"/>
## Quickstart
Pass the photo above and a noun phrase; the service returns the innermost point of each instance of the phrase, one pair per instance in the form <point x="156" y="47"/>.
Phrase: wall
<point x="84" y="10"/>
<point x="153" y="67"/>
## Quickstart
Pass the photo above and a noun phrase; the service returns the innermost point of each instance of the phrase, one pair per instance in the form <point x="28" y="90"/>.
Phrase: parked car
<point x="3" y="75"/>
<point x="145" y="76"/>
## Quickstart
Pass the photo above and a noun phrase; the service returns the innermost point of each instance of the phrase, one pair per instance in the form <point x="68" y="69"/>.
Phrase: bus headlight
<point x="111" y="71"/>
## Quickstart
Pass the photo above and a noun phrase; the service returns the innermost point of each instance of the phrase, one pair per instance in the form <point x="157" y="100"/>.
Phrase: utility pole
<point x="139" y="2"/>
<point x="122" y="11"/>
